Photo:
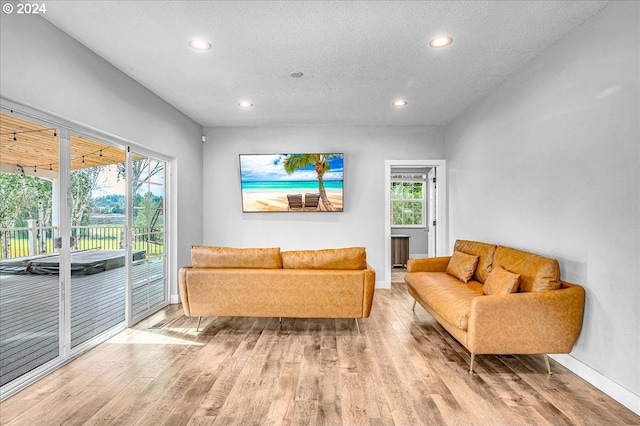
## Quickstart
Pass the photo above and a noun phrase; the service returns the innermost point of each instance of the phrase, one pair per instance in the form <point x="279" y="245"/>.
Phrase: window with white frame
<point x="408" y="198"/>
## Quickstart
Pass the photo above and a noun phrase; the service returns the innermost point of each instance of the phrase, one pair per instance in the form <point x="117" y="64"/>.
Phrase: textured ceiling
<point x="357" y="57"/>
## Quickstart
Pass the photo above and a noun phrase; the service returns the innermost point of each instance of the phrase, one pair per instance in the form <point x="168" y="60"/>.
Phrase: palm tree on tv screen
<point x="293" y="162"/>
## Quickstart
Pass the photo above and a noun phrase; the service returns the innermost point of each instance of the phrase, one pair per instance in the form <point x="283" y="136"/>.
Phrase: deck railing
<point x="33" y="240"/>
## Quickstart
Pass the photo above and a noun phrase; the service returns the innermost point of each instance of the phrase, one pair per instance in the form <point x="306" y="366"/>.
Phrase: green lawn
<point x="20" y="246"/>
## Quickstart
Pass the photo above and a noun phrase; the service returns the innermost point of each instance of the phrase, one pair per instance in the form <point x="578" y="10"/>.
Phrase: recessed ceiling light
<point x="199" y="44"/>
<point x="245" y="105"/>
<point x="440" y="42"/>
<point x="296" y="74"/>
<point x="399" y="103"/>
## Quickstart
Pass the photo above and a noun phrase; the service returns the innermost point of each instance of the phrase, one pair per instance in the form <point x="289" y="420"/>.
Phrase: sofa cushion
<point x="484" y="252"/>
<point x="229" y="257"/>
<point x="501" y="281"/>
<point x="447" y="296"/>
<point x="462" y="266"/>
<point x="342" y="258"/>
<point x="537" y="273"/>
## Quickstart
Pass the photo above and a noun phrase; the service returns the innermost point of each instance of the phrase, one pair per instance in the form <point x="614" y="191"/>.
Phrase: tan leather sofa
<point x="265" y="282"/>
<point x="543" y="316"/>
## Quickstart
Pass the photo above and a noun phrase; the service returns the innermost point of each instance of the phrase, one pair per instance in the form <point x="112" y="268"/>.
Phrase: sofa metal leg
<point x="198" y="326"/>
<point x="280" y="320"/>
<point x="414" y="306"/>
<point x="473" y="357"/>
<point x="546" y="361"/>
<point x="357" y="325"/>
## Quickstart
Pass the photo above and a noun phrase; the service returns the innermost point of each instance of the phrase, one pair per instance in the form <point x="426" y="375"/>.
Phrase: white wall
<point x="44" y="68"/>
<point x="550" y="163"/>
<point x="362" y="222"/>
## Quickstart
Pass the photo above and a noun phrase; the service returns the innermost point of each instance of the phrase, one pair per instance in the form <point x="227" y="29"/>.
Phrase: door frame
<point x="441" y="208"/>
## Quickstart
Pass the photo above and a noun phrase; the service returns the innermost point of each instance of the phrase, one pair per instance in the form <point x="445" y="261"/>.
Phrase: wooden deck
<point x="29" y="312"/>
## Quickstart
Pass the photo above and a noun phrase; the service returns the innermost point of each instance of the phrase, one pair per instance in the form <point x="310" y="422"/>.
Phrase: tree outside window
<point x="408" y="200"/>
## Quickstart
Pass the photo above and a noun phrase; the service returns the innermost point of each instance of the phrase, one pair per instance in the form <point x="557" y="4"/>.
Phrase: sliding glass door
<point x="83" y="240"/>
<point x="148" y="230"/>
<point x="30" y="286"/>
<point x="97" y="213"/>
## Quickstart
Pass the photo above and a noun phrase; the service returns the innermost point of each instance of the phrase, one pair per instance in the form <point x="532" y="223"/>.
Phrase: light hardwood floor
<point x="404" y="369"/>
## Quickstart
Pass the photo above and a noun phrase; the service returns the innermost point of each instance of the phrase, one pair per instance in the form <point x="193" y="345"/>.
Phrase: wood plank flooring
<point x="404" y="369"/>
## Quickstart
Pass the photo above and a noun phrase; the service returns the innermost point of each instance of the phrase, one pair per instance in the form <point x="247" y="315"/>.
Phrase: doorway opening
<point x="415" y="211"/>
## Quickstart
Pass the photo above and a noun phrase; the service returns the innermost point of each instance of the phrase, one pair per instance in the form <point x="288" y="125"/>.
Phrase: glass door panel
<point x="98" y="257"/>
<point x="149" y="283"/>
<point x="30" y="296"/>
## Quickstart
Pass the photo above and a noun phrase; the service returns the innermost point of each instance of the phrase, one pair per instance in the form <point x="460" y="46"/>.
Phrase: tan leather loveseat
<point x="528" y="309"/>
<point x="265" y="282"/>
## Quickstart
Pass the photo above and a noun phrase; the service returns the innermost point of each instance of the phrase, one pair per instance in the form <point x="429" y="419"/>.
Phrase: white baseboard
<point x="383" y="284"/>
<point x="174" y="299"/>
<point x="621" y="394"/>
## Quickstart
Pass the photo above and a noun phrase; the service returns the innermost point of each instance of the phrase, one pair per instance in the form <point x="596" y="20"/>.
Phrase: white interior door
<point x="432" y="212"/>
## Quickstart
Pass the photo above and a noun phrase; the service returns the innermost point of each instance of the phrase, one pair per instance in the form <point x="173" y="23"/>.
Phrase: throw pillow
<point x="501" y="281"/>
<point x="462" y="266"/>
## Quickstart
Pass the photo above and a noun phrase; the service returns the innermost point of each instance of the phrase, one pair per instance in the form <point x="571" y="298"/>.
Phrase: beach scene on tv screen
<point x="292" y="182"/>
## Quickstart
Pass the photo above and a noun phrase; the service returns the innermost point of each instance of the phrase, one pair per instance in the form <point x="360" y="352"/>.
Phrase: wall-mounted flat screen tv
<point x="292" y="182"/>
